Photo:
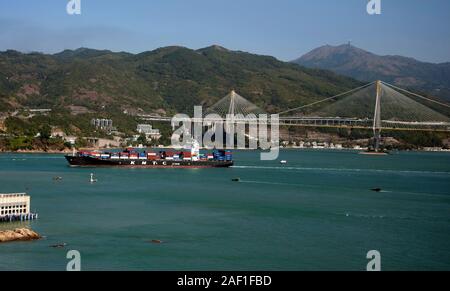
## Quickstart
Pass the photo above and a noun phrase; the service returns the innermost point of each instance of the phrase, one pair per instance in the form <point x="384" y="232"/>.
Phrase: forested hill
<point x="172" y="79"/>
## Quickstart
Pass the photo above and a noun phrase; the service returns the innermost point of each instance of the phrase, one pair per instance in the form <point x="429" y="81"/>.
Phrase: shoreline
<point x="36" y="152"/>
<point x="284" y="148"/>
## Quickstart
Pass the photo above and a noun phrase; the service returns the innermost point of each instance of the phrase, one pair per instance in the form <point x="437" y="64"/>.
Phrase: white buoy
<point x="93" y="180"/>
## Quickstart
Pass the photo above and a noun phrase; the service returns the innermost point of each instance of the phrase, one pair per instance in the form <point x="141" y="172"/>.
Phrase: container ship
<point x="148" y="159"/>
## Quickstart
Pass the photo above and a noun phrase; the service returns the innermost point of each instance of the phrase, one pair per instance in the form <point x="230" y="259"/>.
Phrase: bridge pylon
<point x="377" y="118"/>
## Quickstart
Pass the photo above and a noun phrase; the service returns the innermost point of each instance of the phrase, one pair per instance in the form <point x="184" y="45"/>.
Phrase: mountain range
<point x="365" y="66"/>
<point x="165" y="80"/>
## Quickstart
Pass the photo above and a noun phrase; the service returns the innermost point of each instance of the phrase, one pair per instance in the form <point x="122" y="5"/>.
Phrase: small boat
<point x="372" y="152"/>
<point x="93" y="179"/>
<point x="58" y="178"/>
<point x="156" y="241"/>
<point x="59" y="246"/>
<point x="283" y="162"/>
<point x="376" y="189"/>
<point x="236" y="179"/>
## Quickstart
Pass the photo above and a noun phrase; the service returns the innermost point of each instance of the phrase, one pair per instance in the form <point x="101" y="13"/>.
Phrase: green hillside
<point x="171" y="78"/>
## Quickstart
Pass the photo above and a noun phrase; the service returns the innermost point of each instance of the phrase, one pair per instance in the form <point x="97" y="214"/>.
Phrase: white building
<point x="14" y="204"/>
<point x="149" y="131"/>
<point x="71" y="139"/>
<point x="105" y="124"/>
<point x="57" y="132"/>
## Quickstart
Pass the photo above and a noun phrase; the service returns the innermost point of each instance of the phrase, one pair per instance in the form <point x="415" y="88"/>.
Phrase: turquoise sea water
<point x="316" y="213"/>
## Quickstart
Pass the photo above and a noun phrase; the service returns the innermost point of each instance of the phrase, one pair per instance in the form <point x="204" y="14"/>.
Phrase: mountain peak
<point x="329" y="51"/>
<point x="365" y="66"/>
<point x="214" y="47"/>
<point x="81" y="52"/>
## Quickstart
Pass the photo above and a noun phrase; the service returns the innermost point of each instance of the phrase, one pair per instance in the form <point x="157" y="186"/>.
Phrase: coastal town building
<point x="57" y="132"/>
<point x="104" y="124"/>
<point x="42" y="111"/>
<point x="70" y="139"/>
<point x="14" y="204"/>
<point x="149" y="131"/>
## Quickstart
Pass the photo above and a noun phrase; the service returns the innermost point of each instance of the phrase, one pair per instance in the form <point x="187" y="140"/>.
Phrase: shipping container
<point x="152" y="156"/>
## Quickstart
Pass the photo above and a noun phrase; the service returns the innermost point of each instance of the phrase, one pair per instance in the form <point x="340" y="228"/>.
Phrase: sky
<point x="285" y="29"/>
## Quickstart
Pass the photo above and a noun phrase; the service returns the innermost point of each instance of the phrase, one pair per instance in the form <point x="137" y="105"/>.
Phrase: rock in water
<point x="18" y="234"/>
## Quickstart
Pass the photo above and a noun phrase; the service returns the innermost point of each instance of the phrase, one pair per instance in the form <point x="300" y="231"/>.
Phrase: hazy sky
<point x="285" y="29"/>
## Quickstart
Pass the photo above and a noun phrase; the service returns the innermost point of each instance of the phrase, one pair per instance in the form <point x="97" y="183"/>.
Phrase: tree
<point x="142" y="139"/>
<point x="45" y="131"/>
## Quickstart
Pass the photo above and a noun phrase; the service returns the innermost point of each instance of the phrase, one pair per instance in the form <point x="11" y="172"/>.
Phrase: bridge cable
<point x="326" y="99"/>
<point x="417" y="95"/>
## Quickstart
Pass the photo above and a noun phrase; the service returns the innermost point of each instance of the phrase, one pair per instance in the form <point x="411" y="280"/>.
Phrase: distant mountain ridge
<point x="362" y="65"/>
<point x="171" y="79"/>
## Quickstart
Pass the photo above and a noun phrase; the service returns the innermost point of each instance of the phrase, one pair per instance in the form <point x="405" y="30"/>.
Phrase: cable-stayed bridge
<point x="377" y="106"/>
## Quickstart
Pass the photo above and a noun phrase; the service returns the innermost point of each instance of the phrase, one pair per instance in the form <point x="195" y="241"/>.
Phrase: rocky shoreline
<point x="66" y="151"/>
<point x="18" y="234"/>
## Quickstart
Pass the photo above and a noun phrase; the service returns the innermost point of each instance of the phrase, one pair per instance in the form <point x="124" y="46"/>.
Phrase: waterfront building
<point x="14" y="204"/>
<point x="70" y="139"/>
